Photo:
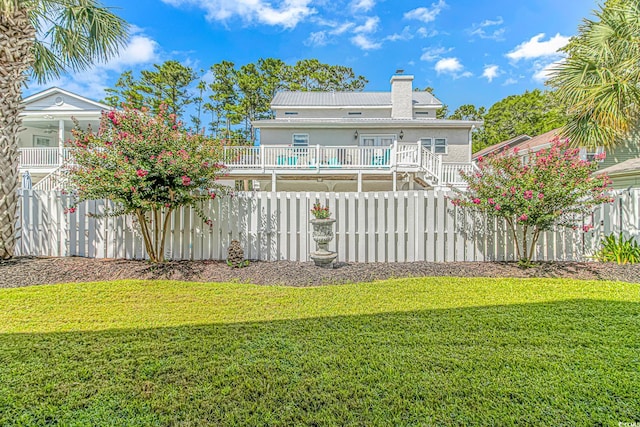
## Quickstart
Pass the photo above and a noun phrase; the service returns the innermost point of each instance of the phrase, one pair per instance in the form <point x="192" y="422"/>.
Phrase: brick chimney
<point x="402" y="97"/>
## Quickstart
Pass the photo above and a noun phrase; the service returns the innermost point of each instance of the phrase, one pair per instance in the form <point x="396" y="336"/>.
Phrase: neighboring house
<point x="47" y="123"/>
<point x="621" y="162"/>
<point x="356" y="141"/>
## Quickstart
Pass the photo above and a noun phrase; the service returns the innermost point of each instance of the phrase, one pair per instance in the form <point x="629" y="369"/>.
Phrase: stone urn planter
<point x="323" y="234"/>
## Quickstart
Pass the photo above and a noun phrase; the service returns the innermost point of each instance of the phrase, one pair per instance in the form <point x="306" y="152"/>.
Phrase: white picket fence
<point x="371" y="227"/>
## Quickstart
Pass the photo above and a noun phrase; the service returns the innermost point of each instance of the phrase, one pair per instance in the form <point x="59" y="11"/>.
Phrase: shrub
<point x="149" y="165"/>
<point x="619" y="250"/>
<point x="555" y="189"/>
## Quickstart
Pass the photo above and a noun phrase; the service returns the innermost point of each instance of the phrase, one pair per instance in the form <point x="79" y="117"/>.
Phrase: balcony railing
<point x="405" y="156"/>
<point x="42" y="157"/>
<point x="399" y="156"/>
<point x="321" y="157"/>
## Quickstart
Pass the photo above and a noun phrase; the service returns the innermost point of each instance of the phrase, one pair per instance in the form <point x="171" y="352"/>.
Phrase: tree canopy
<point x="531" y="113"/>
<point x="167" y="84"/>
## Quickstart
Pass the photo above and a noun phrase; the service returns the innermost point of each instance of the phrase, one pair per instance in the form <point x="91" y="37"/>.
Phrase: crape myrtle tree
<point x="556" y="188"/>
<point x="149" y="166"/>
<point x="43" y="38"/>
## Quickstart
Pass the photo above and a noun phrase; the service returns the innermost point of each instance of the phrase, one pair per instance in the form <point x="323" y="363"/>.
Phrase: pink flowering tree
<point x="148" y="165"/>
<point x="555" y="188"/>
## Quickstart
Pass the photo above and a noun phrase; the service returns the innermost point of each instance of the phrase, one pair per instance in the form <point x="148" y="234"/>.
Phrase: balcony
<point x="344" y="160"/>
<point x="42" y="158"/>
<point x="253" y="162"/>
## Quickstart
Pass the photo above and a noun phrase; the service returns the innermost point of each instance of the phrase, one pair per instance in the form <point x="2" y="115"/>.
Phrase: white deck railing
<point x="399" y="155"/>
<point x="451" y="172"/>
<point x="42" y="157"/>
<point x="403" y="156"/>
<point x="278" y="157"/>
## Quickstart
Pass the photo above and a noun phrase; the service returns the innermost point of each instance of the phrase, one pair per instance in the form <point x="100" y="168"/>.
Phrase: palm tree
<point x="599" y="80"/>
<point x="43" y="38"/>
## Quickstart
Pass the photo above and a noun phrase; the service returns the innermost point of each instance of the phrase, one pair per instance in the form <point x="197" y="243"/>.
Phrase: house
<point x="318" y="141"/>
<point x="356" y="141"/>
<point x="621" y="162"/>
<point x="47" y="124"/>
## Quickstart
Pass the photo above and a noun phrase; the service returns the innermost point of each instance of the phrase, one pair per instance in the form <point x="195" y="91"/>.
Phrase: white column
<point x="60" y="141"/>
<point x="359" y="181"/>
<point x="395" y="181"/>
<point x="273" y="181"/>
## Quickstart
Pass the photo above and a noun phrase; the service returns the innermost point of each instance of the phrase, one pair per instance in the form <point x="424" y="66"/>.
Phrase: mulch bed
<point x="26" y="271"/>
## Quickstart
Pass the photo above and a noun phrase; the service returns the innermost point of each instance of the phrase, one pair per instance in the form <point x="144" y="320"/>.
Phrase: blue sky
<point x="470" y="51"/>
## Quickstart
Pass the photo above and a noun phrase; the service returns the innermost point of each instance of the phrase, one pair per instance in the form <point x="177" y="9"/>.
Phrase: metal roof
<point x="343" y="99"/>
<point x="371" y="122"/>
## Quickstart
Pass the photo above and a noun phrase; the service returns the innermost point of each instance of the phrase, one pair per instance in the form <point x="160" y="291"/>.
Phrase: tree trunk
<point x="17" y="36"/>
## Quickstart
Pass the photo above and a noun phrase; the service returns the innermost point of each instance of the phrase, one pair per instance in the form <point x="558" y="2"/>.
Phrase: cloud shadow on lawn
<point x="569" y="362"/>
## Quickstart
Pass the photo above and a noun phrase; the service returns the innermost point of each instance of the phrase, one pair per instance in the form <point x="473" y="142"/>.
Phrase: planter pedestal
<point x="323" y="234"/>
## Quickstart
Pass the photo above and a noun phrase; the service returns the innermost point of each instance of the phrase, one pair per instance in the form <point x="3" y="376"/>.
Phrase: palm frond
<point x="73" y="35"/>
<point x="600" y="79"/>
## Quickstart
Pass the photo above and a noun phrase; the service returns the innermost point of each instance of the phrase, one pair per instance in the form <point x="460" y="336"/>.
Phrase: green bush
<point x="619" y="250"/>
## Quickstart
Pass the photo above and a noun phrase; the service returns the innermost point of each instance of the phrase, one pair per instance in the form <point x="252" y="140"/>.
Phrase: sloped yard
<point x="425" y="351"/>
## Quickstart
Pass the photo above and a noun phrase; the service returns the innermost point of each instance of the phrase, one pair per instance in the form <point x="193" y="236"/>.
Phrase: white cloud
<point x="140" y="50"/>
<point x="318" y="38"/>
<point x="491" y="72"/>
<point x="365" y="43"/>
<point x="510" y="81"/>
<point x="362" y="5"/>
<point x="404" y="35"/>
<point x="433" y="53"/>
<point x="426" y="14"/>
<point x="448" y="66"/>
<point x="486" y="29"/>
<point x="341" y="29"/>
<point x="452" y="67"/>
<point x="424" y="33"/>
<point x="370" y="26"/>
<point x="535" y="48"/>
<point x="286" y="14"/>
<point x="543" y="70"/>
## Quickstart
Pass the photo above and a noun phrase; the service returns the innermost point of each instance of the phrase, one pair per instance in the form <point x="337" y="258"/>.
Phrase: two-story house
<point x="318" y="141"/>
<point x="355" y="141"/>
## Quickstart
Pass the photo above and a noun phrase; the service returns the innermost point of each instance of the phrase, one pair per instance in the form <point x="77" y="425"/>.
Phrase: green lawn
<point x="431" y="351"/>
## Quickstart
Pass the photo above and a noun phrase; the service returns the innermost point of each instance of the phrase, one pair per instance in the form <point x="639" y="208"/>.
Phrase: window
<point x="589" y="154"/>
<point x="300" y="140"/>
<point x="355" y="113"/>
<point x="290" y="113"/>
<point x="377" y="140"/>
<point x="41" y="141"/>
<point x="422" y="113"/>
<point x="435" y="145"/>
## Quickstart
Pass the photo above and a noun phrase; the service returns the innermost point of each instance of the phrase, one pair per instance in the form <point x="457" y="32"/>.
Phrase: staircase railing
<point x="432" y="164"/>
<point x="53" y="181"/>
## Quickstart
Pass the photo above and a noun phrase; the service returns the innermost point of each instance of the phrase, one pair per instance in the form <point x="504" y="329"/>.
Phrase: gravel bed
<point x="25" y="271"/>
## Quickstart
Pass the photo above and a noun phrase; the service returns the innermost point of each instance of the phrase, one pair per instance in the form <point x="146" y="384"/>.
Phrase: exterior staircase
<point x="56" y="180"/>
